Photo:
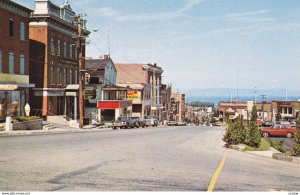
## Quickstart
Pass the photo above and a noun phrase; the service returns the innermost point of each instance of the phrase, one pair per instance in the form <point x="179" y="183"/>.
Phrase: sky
<point x="200" y="43"/>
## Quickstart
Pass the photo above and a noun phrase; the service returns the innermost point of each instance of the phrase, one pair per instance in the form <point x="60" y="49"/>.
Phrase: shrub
<point x="253" y="136"/>
<point x="235" y="133"/>
<point x="278" y="145"/>
<point x="296" y="147"/>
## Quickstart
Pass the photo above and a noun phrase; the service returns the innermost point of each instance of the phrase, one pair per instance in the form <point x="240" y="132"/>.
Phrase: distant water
<point x="217" y="99"/>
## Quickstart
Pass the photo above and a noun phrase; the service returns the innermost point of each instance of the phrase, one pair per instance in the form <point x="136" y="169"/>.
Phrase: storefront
<point x="13" y="98"/>
<point x="110" y="110"/>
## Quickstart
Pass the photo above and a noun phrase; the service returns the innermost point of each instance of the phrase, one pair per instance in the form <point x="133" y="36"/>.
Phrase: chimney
<point x="105" y="57"/>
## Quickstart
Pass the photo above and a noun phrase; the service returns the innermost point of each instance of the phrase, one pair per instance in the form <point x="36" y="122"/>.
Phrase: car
<point x="171" y="123"/>
<point x="138" y="122"/>
<point x="267" y="124"/>
<point x="181" y="123"/>
<point x="123" y="122"/>
<point x="218" y="123"/>
<point x="293" y="123"/>
<point x="278" y="130"/>
<point x="151" y="121"/>
<point x="283" y="122"/>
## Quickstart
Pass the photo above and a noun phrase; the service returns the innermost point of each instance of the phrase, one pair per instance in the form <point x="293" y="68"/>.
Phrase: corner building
<point x="53" y="58"/>
<point x="14" y="58"/>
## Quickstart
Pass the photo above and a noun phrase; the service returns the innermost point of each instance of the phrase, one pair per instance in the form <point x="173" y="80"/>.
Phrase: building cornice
<point x="15" y="8"/>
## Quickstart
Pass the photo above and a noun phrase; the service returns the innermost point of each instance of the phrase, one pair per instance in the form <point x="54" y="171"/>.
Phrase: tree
<point x="235" y="133"/>
<point x="296" y="147"/>
<point x="252" y="133"/>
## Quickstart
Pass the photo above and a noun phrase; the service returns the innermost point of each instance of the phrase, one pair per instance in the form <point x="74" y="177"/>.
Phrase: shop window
<point x="22" y="31"/>
<point x="11" y="60"/>
<point x="11" y="28"/>
<point x="13" y="103"/>
<point x="22" y="64"/>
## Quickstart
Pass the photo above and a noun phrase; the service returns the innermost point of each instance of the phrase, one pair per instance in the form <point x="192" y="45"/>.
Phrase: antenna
<point x="108" y="42"/>
<point x="237" y="85"/>
<point x="286" y="95"/>
<point x="255" y="94"/>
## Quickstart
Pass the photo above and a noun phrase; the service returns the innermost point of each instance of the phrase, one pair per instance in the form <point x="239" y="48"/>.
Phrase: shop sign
<point x="90" y="94"/>
<point x="132" y="95"/>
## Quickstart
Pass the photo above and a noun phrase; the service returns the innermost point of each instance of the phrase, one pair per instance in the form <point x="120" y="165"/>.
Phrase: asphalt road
<point x="150" y="159"/>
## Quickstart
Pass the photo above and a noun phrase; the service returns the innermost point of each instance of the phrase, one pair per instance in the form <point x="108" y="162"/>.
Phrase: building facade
<point x="14" y="58"/>
<point x="177" y="109"/>
<point x="145" y="83"/>
<point x="54" y="58"/>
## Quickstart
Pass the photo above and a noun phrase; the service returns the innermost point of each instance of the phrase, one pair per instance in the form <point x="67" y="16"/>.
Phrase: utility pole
<point x="80" y="47"/>
<point x="262" y="105"/>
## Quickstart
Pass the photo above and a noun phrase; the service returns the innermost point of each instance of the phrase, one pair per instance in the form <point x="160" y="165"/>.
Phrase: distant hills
<point x="221" y="92"/>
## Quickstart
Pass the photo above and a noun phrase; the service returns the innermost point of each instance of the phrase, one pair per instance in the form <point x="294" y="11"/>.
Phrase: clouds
<point x="148" y="17"/>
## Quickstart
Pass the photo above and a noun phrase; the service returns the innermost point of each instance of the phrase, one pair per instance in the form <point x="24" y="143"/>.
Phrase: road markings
<point x="216" y="175"/>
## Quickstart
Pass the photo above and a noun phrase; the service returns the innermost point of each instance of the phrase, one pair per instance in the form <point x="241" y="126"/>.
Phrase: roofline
<point x="19" y="5"/>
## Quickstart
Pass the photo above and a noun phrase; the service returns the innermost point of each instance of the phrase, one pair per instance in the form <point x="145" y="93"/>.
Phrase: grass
<point x="263" y="146"/>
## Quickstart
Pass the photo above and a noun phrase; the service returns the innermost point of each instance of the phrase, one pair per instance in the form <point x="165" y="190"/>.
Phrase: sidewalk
<point x="66" y="129"/>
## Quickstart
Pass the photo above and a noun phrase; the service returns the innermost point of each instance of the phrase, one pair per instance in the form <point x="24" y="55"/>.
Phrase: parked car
<point x="278" y="130"/>
<point x="267" y="124"/>
<point x="138" y="122"/>
<point x="181" y="123"/>
<point x="293" y="123"/>
<point x="171" y="123"/>
<point x="123" y="122"/>
<point x="218" y="123"/>
<point x="283" y="122"/>
<point x="151" y="121"/>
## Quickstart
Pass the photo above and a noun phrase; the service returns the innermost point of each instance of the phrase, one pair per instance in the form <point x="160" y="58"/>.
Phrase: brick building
<point x="145" y="82"/>
<point x="54" y="58"/>
<point x="14" y="58"/>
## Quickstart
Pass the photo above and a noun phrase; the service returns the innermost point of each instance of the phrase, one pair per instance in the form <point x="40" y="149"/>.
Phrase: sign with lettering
<point x="90" y="94"/>
<point x="132" y="95"/>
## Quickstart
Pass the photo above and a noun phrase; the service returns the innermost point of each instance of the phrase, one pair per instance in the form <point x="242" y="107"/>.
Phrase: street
<point x="148" y="159"/>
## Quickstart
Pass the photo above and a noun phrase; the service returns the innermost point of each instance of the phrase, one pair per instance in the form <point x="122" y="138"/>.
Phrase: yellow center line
<point x="216" y="175"/>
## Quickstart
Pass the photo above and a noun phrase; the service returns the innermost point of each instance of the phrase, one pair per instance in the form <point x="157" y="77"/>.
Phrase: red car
<point x="278" y="130"/>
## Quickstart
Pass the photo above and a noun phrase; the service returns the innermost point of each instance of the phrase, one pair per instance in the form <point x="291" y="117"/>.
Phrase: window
<point x="11" y="59"/>
<point x="52" y="44"/>
<point x="65" y="76"/>
<point x="11" y="27"/>
<point x="71" y="76"/>
<point x="76" y="77"/>
<point x="22" y="64"/>
<point x="0" y="61"/>
<point x="58" y="47"/>
<point x="71" y="51"/>
<point x="65" y="49"/>
<point x="51" y="72"/>
<point x="58" y="76"/>
<point x="76" y="55"/>
<point x="22" y="31"/>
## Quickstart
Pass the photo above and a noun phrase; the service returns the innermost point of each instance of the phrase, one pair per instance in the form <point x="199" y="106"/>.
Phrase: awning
<point x="72" y="87"/>
<point x="113" y="104"/>
<point x="12" y="87"/>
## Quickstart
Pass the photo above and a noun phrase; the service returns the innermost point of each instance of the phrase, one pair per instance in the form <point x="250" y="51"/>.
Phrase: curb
<point x="284" y="157"/>
<point x="275" y="155"/>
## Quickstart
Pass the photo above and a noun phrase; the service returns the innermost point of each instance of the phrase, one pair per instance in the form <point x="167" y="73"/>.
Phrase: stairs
<point x="2" y="126"/>
<point x="58" y="119"/>
<point x="48" y="126"/>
